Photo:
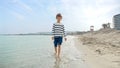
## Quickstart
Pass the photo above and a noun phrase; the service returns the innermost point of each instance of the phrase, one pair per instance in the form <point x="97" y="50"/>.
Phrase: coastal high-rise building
<point x="116" y="20"/>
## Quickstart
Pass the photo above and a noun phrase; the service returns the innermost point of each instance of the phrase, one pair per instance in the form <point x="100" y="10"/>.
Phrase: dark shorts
<point x="57" y="41"/>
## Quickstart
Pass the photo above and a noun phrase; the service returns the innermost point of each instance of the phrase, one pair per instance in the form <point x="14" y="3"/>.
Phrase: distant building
<point x="91" y="28"/>
<point x="116" y="20"/>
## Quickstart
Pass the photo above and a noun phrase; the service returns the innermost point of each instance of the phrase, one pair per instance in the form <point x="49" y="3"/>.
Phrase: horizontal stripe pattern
<point x="58" y="29"/>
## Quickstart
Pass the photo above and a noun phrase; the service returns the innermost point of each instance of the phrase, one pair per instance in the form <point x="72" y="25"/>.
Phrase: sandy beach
<point x="101" y="49"/>
<point x="98" y="49"/>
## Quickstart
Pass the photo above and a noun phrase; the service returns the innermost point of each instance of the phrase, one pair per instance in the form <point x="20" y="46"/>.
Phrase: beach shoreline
<point x="93" y="54"/>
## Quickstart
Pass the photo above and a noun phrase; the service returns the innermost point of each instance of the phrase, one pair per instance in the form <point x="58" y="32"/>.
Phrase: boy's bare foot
<point x="55" y="54"/>
<point x="58" y="58"/>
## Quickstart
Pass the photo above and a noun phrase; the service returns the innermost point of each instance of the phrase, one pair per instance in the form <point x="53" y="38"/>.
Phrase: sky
<point x="31" y="16"/>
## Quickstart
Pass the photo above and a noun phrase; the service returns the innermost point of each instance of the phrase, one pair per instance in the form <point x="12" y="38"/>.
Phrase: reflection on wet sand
<point x="57" y="63"/>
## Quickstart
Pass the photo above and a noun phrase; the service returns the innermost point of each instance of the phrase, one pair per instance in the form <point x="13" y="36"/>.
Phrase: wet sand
<point x="70" y="56"/>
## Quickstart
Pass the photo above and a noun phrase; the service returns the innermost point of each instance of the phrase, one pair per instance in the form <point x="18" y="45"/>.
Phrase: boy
<point x="58" y="32"/>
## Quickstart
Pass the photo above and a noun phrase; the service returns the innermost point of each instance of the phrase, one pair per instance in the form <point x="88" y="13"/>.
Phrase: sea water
<point x="36" y="51"/>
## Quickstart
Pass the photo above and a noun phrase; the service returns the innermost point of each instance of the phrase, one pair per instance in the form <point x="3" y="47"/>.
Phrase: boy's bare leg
<point x="55" y="51"/>
<point x="59" y="49"/>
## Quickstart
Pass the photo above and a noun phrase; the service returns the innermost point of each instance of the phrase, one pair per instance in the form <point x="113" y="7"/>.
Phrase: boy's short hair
<point x="58" y="15"/>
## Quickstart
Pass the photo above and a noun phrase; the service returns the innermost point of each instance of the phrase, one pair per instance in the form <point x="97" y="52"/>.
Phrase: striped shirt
<point x="58" y="30"/>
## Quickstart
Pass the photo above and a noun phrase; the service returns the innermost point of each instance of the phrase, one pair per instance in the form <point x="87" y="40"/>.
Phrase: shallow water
<point x="37" y="52"/>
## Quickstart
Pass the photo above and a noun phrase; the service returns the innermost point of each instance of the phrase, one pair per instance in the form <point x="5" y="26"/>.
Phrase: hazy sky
<point x="24" y="16"/>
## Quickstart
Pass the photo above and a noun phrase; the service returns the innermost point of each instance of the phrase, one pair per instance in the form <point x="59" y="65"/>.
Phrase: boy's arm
<point x="52" y="38"/>
<point x="53" y="31"/>
<point x="64" y="33"/>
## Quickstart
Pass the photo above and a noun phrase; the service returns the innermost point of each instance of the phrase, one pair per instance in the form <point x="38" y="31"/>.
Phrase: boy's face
<point x="59" y="18"/>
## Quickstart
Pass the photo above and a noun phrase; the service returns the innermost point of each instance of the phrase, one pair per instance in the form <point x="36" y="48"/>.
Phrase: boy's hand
<point x="65" y="39"/>
<point x="52" y="38"/>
